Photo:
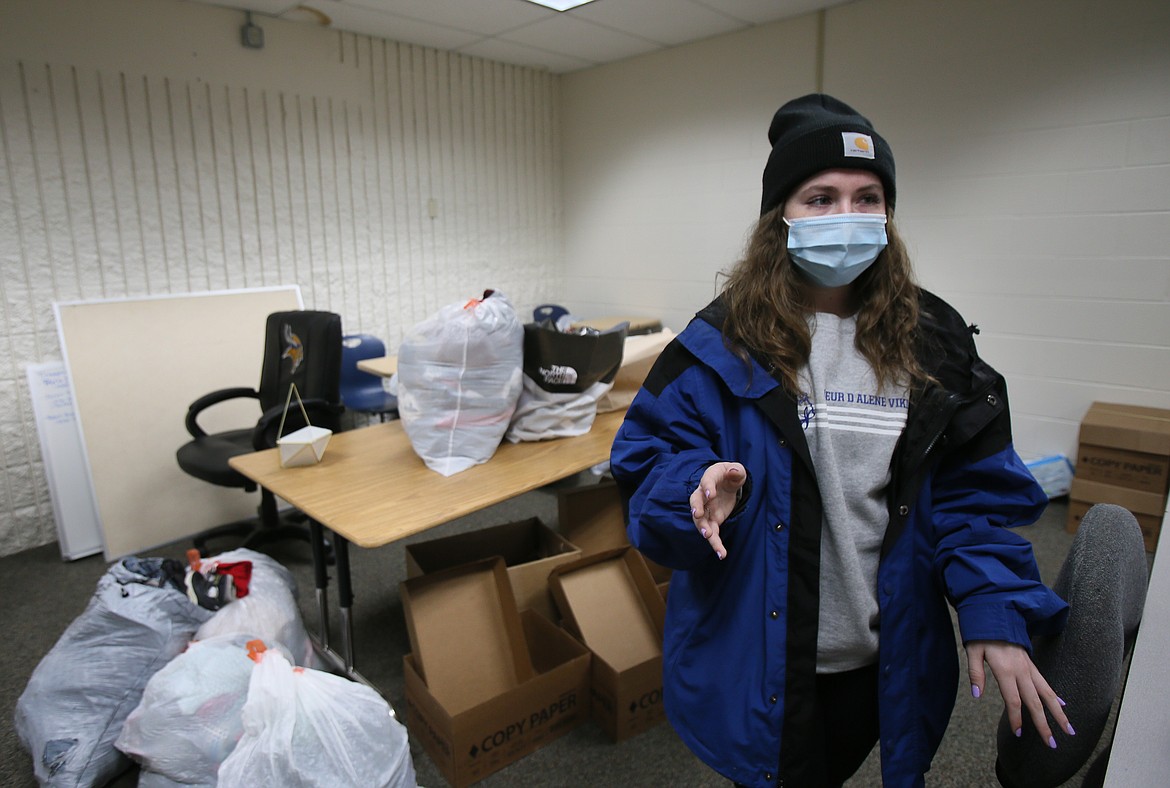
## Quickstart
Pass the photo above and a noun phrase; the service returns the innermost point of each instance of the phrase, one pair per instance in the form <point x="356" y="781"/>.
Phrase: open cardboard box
<point x="591" y="517"/>
<point x="610" y="602"/>
<point x="530" y="550"/>
<point x="494" y="694"/>
<point x="465" y="633"/>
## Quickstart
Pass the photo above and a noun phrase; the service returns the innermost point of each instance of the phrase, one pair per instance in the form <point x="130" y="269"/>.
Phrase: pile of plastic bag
<point x="230" y="711"/>
<point x="474" y="374"/>
<point x="194" y="670"/>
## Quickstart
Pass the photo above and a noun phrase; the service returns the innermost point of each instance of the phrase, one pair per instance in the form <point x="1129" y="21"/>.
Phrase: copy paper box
<point x="530" y="550"/>
<point x="610" y="602"/>
<point x="465" y="633"/>
<point x="1148" y="508"/>
<point x="638" y="357"/>
<point x="591" y="517"/>
<point x="1126" y="446"/>
<point x="471" y="744"/>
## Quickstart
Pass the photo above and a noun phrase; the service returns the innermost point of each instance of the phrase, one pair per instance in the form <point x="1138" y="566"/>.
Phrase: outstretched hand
<point x="714" y="499"/>
<point x="1021" y="685"/>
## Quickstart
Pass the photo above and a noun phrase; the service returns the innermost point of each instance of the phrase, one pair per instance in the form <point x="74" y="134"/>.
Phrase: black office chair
<point x="362" y="391"/>
<point x="301" y="347"/>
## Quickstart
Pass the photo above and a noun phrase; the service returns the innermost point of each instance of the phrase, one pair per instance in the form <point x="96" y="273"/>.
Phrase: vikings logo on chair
<point x="294" y="349"/>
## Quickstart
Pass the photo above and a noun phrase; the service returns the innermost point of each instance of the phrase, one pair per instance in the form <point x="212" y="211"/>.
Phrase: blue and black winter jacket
<point x="741" y="634"/>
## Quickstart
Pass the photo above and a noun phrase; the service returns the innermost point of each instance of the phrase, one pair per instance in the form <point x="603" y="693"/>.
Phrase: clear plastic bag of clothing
<point x="82" y="691"/>
<point x="566" y="373"/>
<point x="191" y="714"/>
<point x="305" y="727"/>
<point x="458" y="382"/>
<point x="269" y="612"/>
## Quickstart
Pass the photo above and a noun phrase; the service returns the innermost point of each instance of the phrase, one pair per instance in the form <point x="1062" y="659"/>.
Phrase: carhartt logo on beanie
<point x="815" y="133"/>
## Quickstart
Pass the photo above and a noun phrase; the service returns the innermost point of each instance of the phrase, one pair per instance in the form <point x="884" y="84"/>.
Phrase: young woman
<point x="826" y="462"/>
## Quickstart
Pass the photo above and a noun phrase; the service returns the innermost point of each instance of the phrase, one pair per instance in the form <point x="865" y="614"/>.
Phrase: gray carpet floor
<point x="42" y="594"/>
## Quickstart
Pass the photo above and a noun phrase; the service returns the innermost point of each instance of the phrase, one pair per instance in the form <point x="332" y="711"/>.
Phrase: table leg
<point x="344" y="597"/>
<point x="321" y="580"/>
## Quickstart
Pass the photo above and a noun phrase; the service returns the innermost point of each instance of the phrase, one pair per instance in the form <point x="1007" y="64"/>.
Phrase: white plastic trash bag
<point x="305" y="728"/>
<point x="269" y="612"/>
<point x="83" y="690"/>
<point x="459" y="379"/>
<point x="148" y="779"/>
<point x="191" y="714"/>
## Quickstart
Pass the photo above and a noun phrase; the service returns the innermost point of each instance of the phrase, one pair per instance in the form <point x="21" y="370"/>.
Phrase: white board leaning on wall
<point x="134" y="366"/>
<point x="70" y="493"/>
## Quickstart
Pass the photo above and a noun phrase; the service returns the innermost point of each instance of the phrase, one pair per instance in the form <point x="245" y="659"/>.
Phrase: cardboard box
<point x="471" y="744"/>
<point x="610" y="602"/>
<point x="530" y="550"/>
<point x="1126" y="446"/>
<point x="638" y="325"/>
<point x="1147" y="507"/>
<point x="465" y="633"/>
<point x="591" y="517"/>
<point x="638" y="357"/>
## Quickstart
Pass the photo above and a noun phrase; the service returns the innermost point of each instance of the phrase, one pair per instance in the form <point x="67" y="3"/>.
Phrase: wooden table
<point x="371" y="488"/>
<point x="384" y="366"/>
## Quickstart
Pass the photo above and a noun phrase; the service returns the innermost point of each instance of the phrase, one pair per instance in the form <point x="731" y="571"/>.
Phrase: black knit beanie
<point x="815" y="133"/>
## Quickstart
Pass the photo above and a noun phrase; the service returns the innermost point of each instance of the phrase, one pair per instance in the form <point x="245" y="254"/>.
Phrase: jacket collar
<point x="704" y="338"/>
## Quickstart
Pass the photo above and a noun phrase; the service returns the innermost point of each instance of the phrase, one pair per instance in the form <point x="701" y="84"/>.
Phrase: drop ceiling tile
<point x="568" y="35"/>
<point x="599" y="32"/>
<point x="686" y="21"/>
<point x="486" y="17"/>
<point x="521" y="55"/>
<point x="360" y="19"/>
<point x="759" y="12"/>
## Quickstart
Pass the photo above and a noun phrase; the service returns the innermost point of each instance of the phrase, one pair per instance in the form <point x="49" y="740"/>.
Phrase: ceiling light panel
<point x="560" y="5"/>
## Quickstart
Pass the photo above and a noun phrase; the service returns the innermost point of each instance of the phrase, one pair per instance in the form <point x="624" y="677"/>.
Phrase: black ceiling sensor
<point x="251" y="36"/>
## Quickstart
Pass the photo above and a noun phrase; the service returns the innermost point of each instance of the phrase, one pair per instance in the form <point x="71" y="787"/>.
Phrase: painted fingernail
<point x="1069" y="728"/>
<point x="1061" y="701"/>
<point x="975" y="693"/>
<point x="694" y="514"/>
<point x="707" y="495"/>
<point x="705" y="533"/>
<point x="1052" y="742"/>
<point x="1019" y="732"/>
<point x="721" y="555"/>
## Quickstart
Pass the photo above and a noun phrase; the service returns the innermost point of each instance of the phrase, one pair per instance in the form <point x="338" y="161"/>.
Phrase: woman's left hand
<point x="714" y="500"/>
<point x="1020" y="683"/>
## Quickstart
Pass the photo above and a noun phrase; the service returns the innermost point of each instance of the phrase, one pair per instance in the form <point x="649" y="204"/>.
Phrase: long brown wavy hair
<point x="768" y="301"/>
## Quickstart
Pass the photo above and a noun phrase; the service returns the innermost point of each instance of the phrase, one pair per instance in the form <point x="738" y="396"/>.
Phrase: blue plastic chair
<point x="551" y="312"/>
<point x="362" y="391"/>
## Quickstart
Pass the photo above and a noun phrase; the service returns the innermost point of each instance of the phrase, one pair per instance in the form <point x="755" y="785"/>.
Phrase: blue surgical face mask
<point x="835" y="250"/>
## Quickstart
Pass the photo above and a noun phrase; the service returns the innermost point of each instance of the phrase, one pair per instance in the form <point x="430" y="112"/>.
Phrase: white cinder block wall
<point x="1033" y="177"/>
<point x="144" y="151"/>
